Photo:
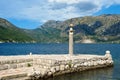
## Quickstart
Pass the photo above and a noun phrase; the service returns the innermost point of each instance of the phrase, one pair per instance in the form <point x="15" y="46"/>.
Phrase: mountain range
<point x="88" y="29"/>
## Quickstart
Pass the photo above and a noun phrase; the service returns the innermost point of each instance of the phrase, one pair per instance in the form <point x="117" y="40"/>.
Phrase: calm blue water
<point x="111" y="73"/>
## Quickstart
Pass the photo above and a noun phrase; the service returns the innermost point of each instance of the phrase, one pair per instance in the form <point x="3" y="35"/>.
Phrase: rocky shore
<point x="33" y="67"/>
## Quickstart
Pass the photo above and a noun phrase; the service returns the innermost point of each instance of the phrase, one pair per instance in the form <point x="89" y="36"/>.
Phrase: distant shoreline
<point x="82" y="42"/>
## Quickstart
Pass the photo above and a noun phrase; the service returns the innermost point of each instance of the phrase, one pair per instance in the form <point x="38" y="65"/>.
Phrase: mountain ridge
<point x="103" y="28"/>
<point x="10" y="33"/>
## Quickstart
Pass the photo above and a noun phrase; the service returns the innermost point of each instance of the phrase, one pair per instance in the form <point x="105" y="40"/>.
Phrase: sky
<point x="30" y="14"/>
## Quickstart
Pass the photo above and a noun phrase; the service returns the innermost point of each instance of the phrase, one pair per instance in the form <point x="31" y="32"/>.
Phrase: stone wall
<point x="15" y="63"/>
<point x="52" y="67"/>
<point x="42" y="66"/>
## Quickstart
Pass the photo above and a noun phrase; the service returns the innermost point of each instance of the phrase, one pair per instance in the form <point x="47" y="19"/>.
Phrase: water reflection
<point x="95" y="74"/>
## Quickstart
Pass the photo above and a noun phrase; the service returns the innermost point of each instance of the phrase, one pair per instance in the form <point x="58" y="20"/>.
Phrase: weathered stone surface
<point x="3" y="67"/>
<point x="47" y="65"/>
<point x="62" y="67"/>
<point x="52" y="69"/>
<point x="67" y="66"/>
<point x="57" y="68"/>
<point x="50" y="73"/>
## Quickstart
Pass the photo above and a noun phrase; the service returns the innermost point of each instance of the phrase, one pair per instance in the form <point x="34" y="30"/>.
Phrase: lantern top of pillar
<point x="71" y="25"/>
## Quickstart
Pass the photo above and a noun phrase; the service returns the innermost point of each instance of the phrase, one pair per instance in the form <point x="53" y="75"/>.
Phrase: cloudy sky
<point x="30" y="14"/>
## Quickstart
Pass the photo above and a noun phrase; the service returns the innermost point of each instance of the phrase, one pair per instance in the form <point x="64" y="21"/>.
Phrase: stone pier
<point x="35" y="67"/>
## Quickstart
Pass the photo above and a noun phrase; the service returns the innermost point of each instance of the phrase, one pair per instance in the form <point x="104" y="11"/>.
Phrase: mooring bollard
<point x="108" y="55"/>
<point x="30" y="53"/>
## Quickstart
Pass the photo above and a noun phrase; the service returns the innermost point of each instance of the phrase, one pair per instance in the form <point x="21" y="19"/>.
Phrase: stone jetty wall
<point x="35" y="67"/>
<point x="14" y="62"/>
<point x="43" y="68"/>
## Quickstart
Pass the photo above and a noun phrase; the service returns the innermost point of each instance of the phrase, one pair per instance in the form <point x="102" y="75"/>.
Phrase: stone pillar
<point x="109" y="58"/>
<point x="71" y="40"/>
<point x="108" y="55"/>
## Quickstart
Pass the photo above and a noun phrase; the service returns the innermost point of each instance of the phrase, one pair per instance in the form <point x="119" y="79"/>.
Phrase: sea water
<point x="109" y="73"/>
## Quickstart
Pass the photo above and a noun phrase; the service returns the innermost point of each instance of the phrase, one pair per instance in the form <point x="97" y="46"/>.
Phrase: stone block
<point x="95" y="63"/>
<point x="50" y="61"/>
<point x="3" y="67"/>
<point x="52" y="69"/>
<point x="62" y="67"/>
<point x="85" y="63"/>
<point x="67" y="66"/>
<point x="12" y="66"/>
<point x="57" y="68"/>
<point x="75" y="66"/>
<point x="49" y="73"/>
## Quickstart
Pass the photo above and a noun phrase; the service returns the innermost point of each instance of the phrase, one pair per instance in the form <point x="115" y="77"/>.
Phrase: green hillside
<point x="10" y="33"/>
<point x="103" y="28"/>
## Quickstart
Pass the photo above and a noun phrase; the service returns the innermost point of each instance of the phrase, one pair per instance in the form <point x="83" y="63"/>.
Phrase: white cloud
<point x="65" y="1"/>
<point x="42" y="10"/>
